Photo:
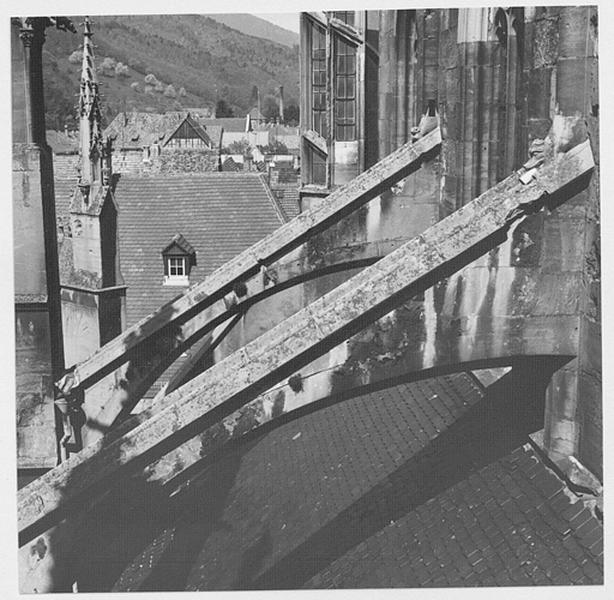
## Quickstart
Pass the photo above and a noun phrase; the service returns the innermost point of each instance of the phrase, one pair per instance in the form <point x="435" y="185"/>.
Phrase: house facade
<point x="148" y="143"/>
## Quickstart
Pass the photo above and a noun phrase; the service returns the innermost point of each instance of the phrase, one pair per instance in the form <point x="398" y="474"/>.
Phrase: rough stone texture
<point x="38" y="337"/>
<point x="496" y="92"/>
<point x="538" y="292"/>
<point x="332" y="318"/>
<point x="30" y="267"/>
<point x="186" y="161"/>
<point x="245" y="264"/>
<point x="36" y="442"/>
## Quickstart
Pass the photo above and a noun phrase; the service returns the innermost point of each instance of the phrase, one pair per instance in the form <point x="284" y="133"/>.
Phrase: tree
<point x="270" y="108"/>
<point x="222" y="109"/>
<point x="275" y="147"/>
<point x="76" y="57"/>
<point x="121" y="70"/>
<point x="238" y="147"/>
<point x="107" y="67"/>
<point x="292" y="114"/>
<point x="253" y="99"/>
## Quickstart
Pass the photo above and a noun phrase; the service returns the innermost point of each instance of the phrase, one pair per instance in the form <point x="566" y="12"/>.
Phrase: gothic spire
<point x="89" y="111"/>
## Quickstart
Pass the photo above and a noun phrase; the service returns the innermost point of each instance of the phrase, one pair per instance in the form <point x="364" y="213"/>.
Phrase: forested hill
<point x="166" y="62"/>
<point x="258" y="27"/>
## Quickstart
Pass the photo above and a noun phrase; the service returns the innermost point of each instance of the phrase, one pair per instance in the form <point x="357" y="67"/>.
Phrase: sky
<point x="285" y="20"/>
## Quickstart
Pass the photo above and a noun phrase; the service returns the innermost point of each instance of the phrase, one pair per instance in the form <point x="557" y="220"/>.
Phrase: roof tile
<point x="220" y="214"/>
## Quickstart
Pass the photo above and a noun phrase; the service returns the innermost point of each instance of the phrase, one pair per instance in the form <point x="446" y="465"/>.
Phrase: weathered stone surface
<point x="245" y="265"/>
<point x="290" y="345"/>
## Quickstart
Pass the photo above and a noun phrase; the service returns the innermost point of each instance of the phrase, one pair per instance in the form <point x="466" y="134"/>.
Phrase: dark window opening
<point x="318" y="80"/>
<point x="345" y="91"/>
<point x="347" y="16"/>
<point x="316" y="169"/>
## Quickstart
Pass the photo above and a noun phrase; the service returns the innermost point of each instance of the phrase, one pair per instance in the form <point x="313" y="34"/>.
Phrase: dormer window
<point x="178" y="257"/>
<point x="176" y="266"/>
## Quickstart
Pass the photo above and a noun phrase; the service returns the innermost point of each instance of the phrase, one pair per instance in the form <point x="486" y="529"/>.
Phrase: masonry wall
<point x="131" y="161"/>
<point x="38" y="338"/>
<point x="36" y="441"/>
<point x="538" y="292"/>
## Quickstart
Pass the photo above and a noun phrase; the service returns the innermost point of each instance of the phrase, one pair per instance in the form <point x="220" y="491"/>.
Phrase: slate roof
<point x="220" y="214"/>
<point x="429" y="483"/>
<point x="61" y="143"/>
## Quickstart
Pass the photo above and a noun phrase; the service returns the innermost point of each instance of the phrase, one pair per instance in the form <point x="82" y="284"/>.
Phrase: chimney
<point x="248" y="161"/>
<point x="281" y="104"/>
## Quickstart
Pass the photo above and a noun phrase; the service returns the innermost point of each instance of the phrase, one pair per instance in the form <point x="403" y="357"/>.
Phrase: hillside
<point x="201" y="60"/>
<point x="258" y="27"/>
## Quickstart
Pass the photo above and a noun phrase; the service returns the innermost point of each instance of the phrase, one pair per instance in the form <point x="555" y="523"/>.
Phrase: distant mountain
<point x="166" y="62"/>
<point x="252" y="25"/>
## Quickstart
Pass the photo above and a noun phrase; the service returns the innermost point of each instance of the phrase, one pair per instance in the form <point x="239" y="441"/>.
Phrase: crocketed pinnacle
<point x="89" y="104"/>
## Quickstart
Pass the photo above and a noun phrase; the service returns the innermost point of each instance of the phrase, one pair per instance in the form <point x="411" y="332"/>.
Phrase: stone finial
<point x="89" y="112"/>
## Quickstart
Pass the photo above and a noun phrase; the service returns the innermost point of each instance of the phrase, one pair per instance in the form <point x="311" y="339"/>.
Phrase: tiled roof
<point x="196" y="127"/>
<point x="197" y="112"/>
<point x="181" y="243"/>
<point x="61" y="143"/>
<point x="63" y="187"/>
<point x="231" y="166"/>
<point x="215" y="134"/>
<point x="230" y="124"/>
<point x="511" y="523"/>
<point x="220" y="214"/>
<point x="424" y="484"/>
<point x="290" y="202"/>
<point x="138" y="129"/>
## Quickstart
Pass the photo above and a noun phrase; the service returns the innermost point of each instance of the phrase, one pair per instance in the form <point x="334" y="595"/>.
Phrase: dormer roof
<point x="178" y="242"/>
